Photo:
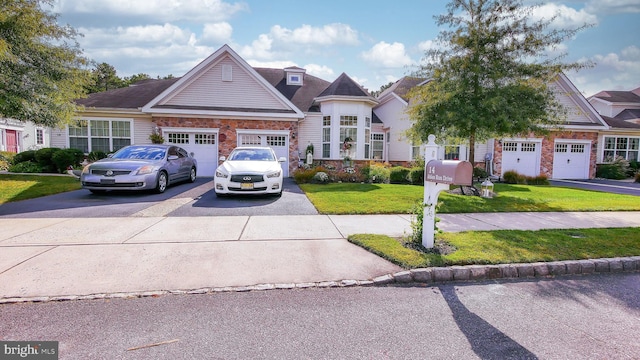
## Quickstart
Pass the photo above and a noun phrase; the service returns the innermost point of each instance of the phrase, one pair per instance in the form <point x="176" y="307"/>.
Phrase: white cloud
<point x="427" y="45"/>
<point x="158" y="10"/>
<point x="613" y="6"/>
<point x="321" y="71"/>
<point x="259" y="49"/>
<point x="330" y="34"/>
<point x="567" y="17"/>
<point x="387" y="55"/>
<point x="612" y="72"/>
<point x="271" y="64"/>
<point x="217" y="32"/>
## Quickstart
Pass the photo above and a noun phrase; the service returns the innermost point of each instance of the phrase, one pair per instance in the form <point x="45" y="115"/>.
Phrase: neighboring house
<point x="569" y="153"/>
<point x="223" y="103"/>
<point x="621" y="111"/>
<point x="17" y="136"/>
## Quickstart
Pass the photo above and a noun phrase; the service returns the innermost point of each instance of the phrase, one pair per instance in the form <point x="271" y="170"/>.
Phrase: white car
<point x="249" y="170"/>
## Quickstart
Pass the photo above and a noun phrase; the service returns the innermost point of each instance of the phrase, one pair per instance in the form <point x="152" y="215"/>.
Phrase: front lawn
<point x="355" y="198"/>
<point x="508" y="246"/>
<point x="22" y="187"/>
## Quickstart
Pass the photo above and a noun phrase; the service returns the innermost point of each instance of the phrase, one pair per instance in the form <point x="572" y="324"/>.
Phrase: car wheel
<point x="192" y="175"/>
<point x="163" y="182"/>
<point x="98" y="191"/>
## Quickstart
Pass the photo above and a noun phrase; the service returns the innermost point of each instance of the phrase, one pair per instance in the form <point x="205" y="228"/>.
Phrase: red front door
<point x="12" y="141"/>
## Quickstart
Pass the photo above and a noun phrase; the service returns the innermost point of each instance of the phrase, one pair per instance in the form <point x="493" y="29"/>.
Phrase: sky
<point x="373" y="41"/>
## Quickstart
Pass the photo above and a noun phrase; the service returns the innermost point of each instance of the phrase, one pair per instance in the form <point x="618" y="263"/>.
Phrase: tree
<point x="103" y="78"/>
<point x="129" y="80"/>
<point x="490" y="75"/>
<point x="41" y="67"/>
<point x="382" y="88"/>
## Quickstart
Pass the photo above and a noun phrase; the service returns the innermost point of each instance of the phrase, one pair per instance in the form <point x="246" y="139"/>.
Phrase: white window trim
<point x="110" y="120"/>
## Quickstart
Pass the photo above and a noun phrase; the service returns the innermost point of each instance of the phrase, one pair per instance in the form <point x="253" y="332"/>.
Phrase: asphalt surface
<point x="587" y="317"/>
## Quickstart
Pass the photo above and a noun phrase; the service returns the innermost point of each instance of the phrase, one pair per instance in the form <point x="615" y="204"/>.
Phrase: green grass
<point x="22" y="187"/>
<point x="509" y="246"/>
<point x="350" y="198"/>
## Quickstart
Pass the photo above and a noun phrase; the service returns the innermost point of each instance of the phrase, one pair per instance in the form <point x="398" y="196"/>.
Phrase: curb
<point x="432" y="275"/>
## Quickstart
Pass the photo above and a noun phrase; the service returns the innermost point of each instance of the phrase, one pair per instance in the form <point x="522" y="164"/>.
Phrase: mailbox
<point x="451" y="172"/>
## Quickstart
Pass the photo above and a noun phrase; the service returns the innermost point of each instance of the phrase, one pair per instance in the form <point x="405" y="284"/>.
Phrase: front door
<point x="12" y="141"/>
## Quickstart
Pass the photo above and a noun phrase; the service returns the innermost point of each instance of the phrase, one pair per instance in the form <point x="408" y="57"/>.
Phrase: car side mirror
<point x="282" y="159"/>
<point x="222" y="158"/>
<point x="173" y="157"/>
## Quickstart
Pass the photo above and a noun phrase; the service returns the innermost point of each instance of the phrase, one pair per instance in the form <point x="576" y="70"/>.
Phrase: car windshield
<point x="252" y="155"/>
<point x="140" y="152"/>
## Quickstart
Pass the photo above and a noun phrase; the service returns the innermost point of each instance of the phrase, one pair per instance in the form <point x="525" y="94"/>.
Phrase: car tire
<point x="162" y="183"/>
<point x="192" y="175"/>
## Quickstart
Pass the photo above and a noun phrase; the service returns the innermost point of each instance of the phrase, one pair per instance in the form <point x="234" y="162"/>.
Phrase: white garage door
<point x="278" y="142"/>
<point x="521" y="156"/>
<point x="203" y="146"/>
<point x="571" y="160"/>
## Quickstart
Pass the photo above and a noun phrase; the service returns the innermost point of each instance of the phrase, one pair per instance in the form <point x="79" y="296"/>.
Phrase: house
<point x="223" y="103"/>
<point x="17" y="136"/>
<point x="569" y="152"/>
<point x="621" y="111"/>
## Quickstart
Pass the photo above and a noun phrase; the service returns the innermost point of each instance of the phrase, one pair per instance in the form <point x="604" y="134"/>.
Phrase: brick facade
<point x="547" y="151"/>
<point x="227" y="135"/>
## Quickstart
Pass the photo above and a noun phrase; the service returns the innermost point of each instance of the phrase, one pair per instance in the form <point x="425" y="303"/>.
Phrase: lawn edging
<point x="433" y="275"/>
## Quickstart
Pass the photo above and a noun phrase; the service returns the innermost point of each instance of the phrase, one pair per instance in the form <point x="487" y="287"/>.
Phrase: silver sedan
<point x="140" y="167"/>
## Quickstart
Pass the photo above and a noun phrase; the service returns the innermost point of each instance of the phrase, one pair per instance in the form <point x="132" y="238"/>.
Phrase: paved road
<point x="611" y="186"/>
<point x="590" y="317"/>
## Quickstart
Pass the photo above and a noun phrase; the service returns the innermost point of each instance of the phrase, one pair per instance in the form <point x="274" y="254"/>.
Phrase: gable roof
<point x="618" y="96"/>
<point x="133" y="97"/>
<point x="301" y="96"/>
<point x="402" y="87"/>
<point x="345" y="87"/>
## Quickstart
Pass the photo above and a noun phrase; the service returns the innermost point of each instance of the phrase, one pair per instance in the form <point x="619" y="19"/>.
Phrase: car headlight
<point x="147" y="169"/>
<point x="220" y="173"/>
<point x="273" y="174"/>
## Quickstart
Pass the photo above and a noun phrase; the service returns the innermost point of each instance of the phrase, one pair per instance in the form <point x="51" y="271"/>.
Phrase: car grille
<point x="247" y="178"/>
<point x="113" y="185"/>
<point x="232" y="188"/>
<point x="103" y="172"/>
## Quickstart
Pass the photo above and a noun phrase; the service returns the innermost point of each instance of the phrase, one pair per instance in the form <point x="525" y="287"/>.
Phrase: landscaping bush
<point x="416" y="176"/>
<point x="67" y="157"/>
<point x="25" y="167"/>
<point x="480" y="173"/>
<point x="96" y="155"/>
<point x="378" y="173"/>
<point x="634" y="166"/>
<point x="537" y="180"/>
<point x="616" y="170"/>
<point x="305" y="175"/>
<point x="399" y="175"/>
<point x="320" y="178"/>
<point x="44" y="158"/>
<point x="6" y="159"/>
<point x="638" y="177"/>
<point x="28" y="155"/>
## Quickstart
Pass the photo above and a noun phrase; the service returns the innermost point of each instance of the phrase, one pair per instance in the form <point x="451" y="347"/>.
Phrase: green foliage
<point x="303" y="176"/>
<point x="42" y="71"/>
<point x="634" y="167"/>
<point x="378" y="174"/>
<point x="416" y="176"/>
<point x="26" y="167"/>
<point x="67" y="157"/>
<point x="490" y="75"/>
<point x="27" y="155"/>
<point x="637" y="178"/>
<point x="416" y="223"/>
<point x="14" y="187"/>
<point x="44" y="158"/>
<point x="399" y="175"/>
<point x="96" y="155"/>
<point x="6" y="159"/>
<point x="480" y="173"/>
<point x="512" y="177"/>
<point x="616" y="170"/>
<point x="537" y="180"/>
<point x="320" y="178"/>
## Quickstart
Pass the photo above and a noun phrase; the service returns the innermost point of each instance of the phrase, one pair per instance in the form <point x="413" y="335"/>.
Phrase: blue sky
<point x="374" y="42"/>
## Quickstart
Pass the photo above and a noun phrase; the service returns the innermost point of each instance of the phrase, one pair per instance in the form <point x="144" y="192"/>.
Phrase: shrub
<point x="480" y="173"/>
<point x="399" y="175"/>
<point x="320" y="178"/>
<point x="96" y="155"/>
<point x="510" y="177"/>
<point x="6" y="159"/>
<point x="44" y="158"/>
<point x="304" y="175"/>
<point x="25" y="167"/>
<point x="634" y="166"/>
<point x="378" y="174"/>
<point x="416" y="176"/>
<point x="616" y="170"/>
<point x="28" y="155"/>
<point x="638" y="177"/>
<point x="67" y="157"/>
<point x="537" y="180"/>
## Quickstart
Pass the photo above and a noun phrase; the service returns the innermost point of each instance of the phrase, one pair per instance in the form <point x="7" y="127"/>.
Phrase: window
<point x="625" y="147"/>
<point x="294" y="79"/>
<point x="276" y="140"/>
<point x="367" y="138"/>
<point x="577" y="148"/>
<point x="562" y="148"/>
<point x="248" y="140"/>
<point x="452" y="152"/>
<point x="100" y="135"/>
<point x="205" y="139"/>
<point x="377" y="146"/>
<point x="528" y="147"/>
<point x="39" y="137"/>
<point x="326" y="137"/>
<point x="227" y="73"/>
<point x="178" y="138"/>
<point x="348" y="136"/>
<point x="509" y="146"/>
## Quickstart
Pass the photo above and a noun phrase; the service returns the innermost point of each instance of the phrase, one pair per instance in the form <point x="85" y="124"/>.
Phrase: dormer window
<point x="294" y="75"/>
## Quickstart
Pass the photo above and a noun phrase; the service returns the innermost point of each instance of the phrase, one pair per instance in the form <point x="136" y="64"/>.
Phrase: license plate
<point x="107" y="181"/>
<point x="246" y="186"/>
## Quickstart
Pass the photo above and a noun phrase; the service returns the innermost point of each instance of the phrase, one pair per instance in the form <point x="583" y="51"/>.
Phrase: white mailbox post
<point x="438" y="175"/>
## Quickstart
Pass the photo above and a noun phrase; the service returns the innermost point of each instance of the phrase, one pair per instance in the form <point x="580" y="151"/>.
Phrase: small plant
<point x="513" y="177"/>
<point x="6" y="159"/>
<point x="309" y="149"/>
<point x="156" y="136"/>
<point x="96" y="155"/>
<point x="480" y="173"/>
<point x="320" y="178"/>
<point x="378" y="174"/>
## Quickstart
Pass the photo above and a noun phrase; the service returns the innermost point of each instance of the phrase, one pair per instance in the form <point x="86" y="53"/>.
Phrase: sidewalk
<point x="54" y="257"/>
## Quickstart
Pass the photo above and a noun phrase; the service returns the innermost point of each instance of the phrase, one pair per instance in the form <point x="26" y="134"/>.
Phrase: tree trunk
<point x="472" y="148"/>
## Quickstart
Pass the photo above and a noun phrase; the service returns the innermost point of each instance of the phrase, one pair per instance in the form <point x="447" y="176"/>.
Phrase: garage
<point x="277" y="140"/>
<point x="201" y="143"/>
<point x="571" y="159"/>
<point x="521" y="156"/>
